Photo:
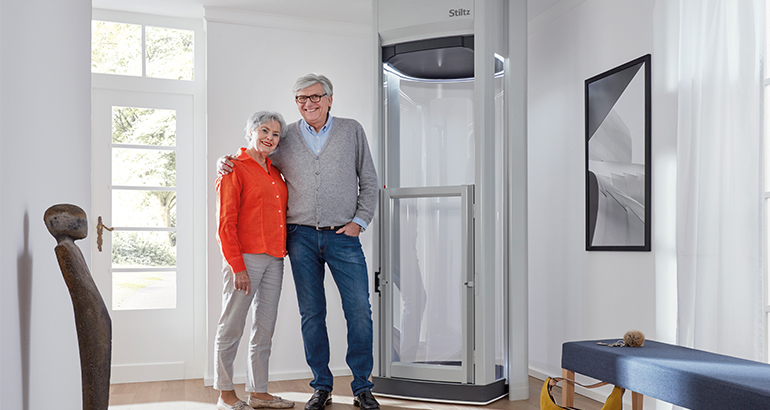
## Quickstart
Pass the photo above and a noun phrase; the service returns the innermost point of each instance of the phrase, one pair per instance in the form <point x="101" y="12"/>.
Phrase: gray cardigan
<point x="336" y="185"/>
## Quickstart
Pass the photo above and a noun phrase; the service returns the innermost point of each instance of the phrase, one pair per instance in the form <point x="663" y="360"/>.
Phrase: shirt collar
<point x="310" y="128"/>
<point x="243" y="156"/>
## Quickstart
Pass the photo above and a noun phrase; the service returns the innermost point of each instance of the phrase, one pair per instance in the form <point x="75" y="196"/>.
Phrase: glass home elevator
<point x="451" y="305"/>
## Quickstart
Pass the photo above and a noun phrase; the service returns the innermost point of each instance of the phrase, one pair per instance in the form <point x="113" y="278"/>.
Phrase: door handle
<point x="100" y="227"/>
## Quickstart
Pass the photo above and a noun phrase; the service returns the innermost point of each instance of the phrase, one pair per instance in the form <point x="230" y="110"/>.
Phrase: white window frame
<point x="197" y="89"/>
<point x="765" y="159"/>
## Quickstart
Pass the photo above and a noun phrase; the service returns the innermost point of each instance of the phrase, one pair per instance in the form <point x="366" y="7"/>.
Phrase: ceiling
<point x="348" y="11"/>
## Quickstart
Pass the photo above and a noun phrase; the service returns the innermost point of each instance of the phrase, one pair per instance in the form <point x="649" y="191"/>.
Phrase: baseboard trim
<point x="147" y="372"/>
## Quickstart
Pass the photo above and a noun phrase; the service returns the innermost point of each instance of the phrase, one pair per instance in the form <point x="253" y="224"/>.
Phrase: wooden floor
<point x="192" y="395"/>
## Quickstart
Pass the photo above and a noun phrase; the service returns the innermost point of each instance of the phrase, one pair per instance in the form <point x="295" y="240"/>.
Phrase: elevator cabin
<point x="451" y="312"/>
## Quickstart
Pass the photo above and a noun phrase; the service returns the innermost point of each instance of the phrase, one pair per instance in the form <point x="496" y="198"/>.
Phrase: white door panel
<point x="145" y="268"/>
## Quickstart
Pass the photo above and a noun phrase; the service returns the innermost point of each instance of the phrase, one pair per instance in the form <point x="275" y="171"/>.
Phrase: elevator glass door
<point x="427" y="287"/>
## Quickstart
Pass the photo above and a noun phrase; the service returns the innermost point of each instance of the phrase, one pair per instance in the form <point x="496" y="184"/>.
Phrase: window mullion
<point x="144" y="51"/>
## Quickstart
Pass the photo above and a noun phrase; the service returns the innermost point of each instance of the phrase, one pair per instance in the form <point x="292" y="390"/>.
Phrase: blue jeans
<point x="308" y="250"/>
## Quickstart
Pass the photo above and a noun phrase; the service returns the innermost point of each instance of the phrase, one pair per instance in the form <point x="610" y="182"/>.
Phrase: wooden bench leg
<point x="568" y="393"/>
<point x="568" y="389"/>
<point x="637" y="400"/>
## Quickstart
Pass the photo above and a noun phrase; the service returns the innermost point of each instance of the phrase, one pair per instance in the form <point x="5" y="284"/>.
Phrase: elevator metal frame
<point x="496" y="22"/>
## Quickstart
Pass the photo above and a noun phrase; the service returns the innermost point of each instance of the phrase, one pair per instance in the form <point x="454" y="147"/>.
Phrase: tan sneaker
<point x="276" y="403"/>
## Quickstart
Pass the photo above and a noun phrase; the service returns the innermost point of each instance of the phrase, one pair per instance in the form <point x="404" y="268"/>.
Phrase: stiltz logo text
<point x="459" y="12"/>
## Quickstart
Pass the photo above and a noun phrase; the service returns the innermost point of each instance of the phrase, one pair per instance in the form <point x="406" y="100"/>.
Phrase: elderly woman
<point x="251" y="203"/>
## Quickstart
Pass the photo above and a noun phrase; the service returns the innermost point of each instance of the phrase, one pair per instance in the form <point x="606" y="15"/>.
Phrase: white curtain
<point x="719" y="197"/>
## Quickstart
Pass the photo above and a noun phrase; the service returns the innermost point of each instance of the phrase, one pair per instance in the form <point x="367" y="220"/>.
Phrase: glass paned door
<point x="144" y="193"/>
<point x="142" y="188"/>
<point x="428" y="325"/>
<point x="430" y="282"/>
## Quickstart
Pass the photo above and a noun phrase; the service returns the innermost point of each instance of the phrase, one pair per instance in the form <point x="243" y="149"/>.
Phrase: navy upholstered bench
<point x="693" y="379"/>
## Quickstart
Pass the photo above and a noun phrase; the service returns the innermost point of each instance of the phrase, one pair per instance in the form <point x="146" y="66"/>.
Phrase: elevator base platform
<point x="439" y="392"/>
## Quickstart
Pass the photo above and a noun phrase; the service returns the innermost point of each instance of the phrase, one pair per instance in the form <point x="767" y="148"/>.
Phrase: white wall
<point x="575" y="294"/>
<point x="45" y="135"/>
<point x="252" y="65"/>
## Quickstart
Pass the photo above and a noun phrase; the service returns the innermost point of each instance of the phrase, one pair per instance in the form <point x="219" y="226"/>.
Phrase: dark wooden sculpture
<point x="68" y="223"/>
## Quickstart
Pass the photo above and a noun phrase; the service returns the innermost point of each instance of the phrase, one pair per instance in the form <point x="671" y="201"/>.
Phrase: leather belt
<point x="324" y="228"/>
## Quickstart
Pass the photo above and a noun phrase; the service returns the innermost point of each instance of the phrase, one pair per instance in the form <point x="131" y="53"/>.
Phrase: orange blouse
<point x="251" y="208"/>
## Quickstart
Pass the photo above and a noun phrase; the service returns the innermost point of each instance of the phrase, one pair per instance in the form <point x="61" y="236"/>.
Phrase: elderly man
<point x="332" y="196"/>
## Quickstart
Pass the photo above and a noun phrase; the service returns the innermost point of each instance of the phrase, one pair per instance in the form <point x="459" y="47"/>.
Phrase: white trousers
<point x="266" y="274"/>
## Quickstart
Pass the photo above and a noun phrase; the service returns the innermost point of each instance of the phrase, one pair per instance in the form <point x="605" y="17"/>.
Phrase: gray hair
<point x="309" y="79"/>
<point x="261" y="117"/>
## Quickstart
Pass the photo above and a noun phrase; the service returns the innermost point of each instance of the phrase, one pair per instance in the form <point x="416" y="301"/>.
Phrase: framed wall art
<point x="617" y="130"/>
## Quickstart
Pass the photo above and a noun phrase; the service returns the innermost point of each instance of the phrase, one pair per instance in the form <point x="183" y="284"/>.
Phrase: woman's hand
<point x="242" y="281"/>
<point x="225" y="164"/>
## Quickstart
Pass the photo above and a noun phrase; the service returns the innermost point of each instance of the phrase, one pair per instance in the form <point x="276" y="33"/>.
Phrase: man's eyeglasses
<point x="313" y="98"/>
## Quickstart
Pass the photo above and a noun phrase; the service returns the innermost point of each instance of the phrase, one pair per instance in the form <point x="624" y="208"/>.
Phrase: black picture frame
<point x="617" y="176"/>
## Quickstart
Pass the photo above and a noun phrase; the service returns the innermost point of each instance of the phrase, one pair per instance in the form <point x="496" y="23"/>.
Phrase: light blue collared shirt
<point x="317" y="140"/>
